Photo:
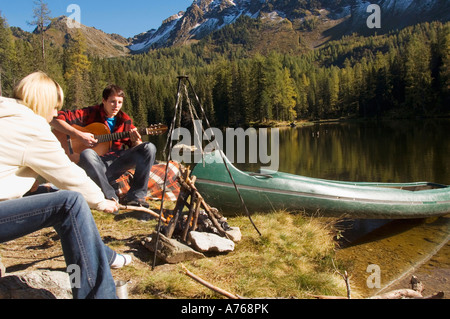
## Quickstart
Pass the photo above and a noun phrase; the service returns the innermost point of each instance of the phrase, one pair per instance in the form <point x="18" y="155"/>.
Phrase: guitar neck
<point x="117" y="136"/>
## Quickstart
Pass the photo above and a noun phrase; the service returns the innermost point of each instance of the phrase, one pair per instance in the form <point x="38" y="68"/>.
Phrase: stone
<point x="36" y="285"/>
<point x="171" y="250"/>
<point x="234" y="234"/>
<point x="208" y="242"/>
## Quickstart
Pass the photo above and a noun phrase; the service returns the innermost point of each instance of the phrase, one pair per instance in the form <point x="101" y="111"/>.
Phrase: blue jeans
<point x="82" y="245"/>
<point x="103" y="170"/>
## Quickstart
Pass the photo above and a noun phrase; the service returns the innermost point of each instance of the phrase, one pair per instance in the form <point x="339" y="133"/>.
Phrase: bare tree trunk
<point x="43" y="48"/>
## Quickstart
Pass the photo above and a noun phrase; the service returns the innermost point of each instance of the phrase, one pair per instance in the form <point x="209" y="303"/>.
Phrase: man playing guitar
<point x="123" y="154"/>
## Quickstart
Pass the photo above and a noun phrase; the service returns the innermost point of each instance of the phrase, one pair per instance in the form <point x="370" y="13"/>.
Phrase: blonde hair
<point x="40" y="93"/>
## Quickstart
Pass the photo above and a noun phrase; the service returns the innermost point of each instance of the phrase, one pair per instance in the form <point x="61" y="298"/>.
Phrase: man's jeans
<point x="106" y="169"/>
<point x="82" y="245"/>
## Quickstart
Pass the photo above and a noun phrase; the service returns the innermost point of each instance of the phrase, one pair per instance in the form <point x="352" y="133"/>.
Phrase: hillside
<point x="98" y="42"/>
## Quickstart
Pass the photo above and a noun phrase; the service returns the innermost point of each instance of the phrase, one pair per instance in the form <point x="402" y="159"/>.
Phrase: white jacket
<point x="28" y="148"/>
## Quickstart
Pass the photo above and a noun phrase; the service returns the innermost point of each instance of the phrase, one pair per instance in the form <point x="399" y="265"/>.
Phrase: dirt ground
<point x="42" y="251"/>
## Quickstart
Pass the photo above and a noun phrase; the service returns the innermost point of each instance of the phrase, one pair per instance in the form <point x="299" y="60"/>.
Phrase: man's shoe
<point x="138" y="203"/>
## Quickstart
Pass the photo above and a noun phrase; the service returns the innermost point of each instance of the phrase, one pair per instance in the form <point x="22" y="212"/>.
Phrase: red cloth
<point x="155" y="183"/>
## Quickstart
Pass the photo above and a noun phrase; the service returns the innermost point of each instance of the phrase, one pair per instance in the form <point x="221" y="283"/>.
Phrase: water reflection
<point x="395" y="151"/>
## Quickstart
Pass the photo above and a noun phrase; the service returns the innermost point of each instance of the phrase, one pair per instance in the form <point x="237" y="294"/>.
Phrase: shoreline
<point x="401" y="249"/>
<point x="433" y="273"/>
<point x="309" y="122"/>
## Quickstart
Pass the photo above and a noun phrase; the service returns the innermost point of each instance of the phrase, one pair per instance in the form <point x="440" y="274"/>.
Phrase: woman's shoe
<point x="121" y="261"/>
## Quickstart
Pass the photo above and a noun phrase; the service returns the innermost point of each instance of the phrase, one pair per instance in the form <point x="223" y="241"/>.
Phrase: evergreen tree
<point x="6" y="59"/>
<point x="303" y="89"/>
<point x="347" y="90"/>
<point x="444" y="72"/>
<point x="259" y="91"/>
<point x="136" y="101"/>
<point x="289" y="97"/>
<point x="222" y="91"/>
<point x="418" y="75"/>
<point x="96" y="82"/>
<point x="205" y="95"/>
<point x="333" y="91"/>
<point x="274" y="70"/>
<point x="76" y="68"/>
<point x="234" y="105"/>
<point x="244" y="94"/>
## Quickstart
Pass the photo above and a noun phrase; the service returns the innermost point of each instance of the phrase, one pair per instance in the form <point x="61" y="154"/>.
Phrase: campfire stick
<point x="185" y="185"/>
<point x="190" y="215"/>
<point x="197" y="212"/>
<point x="208" y="285"/>
<point x="182" y="197"/>
<point x="142" y="209"/>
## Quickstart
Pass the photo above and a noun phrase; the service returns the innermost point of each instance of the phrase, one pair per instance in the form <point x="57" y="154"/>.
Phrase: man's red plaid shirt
<point x="92" y="114"/>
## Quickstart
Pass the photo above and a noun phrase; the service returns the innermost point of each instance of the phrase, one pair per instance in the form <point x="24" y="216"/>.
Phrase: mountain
<point x="98" y="42"/>
<point x="288" y="25"/>
<point x="313" y="21"/>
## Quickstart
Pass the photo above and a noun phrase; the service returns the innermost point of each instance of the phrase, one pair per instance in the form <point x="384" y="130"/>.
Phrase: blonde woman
<point x="28" y="149"/>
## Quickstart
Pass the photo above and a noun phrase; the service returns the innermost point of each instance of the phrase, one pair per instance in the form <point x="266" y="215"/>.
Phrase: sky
<point x="125" y="17"/>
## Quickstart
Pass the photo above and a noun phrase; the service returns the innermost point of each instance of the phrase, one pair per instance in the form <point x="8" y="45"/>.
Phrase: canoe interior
<point x="418" y="188"/>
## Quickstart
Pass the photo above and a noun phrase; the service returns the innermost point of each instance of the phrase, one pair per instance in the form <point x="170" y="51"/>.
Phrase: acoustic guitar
<point x="74" y="147"/>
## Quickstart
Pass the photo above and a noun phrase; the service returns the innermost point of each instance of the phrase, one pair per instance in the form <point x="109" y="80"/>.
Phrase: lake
<point x="370" y="151"/>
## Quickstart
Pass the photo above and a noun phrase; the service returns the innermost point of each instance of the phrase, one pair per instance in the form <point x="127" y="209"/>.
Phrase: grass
<point x="292" y="259"/>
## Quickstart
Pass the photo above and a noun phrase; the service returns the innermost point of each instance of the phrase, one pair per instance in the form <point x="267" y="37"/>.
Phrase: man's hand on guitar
<point x="135" y="137"/>
<point x="88" y="139"/>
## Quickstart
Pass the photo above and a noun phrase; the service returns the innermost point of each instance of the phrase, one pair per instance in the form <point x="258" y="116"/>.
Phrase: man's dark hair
<point x="113" y="90"/>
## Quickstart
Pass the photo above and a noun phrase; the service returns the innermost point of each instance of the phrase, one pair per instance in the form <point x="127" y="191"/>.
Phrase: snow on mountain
<point x="206" y="16"/>
<point x="200" y="19"/>
<point x="144" y="41"/>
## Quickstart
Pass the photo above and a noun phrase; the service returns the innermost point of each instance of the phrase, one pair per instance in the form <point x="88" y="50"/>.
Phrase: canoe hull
<point x="271" y="191"/>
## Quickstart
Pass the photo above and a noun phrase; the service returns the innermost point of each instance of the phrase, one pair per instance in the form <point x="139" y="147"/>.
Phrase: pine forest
<point x="405" y="73"/>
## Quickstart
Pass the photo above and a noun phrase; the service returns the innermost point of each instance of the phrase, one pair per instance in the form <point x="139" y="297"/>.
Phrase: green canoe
<point x="269" y="191"/>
